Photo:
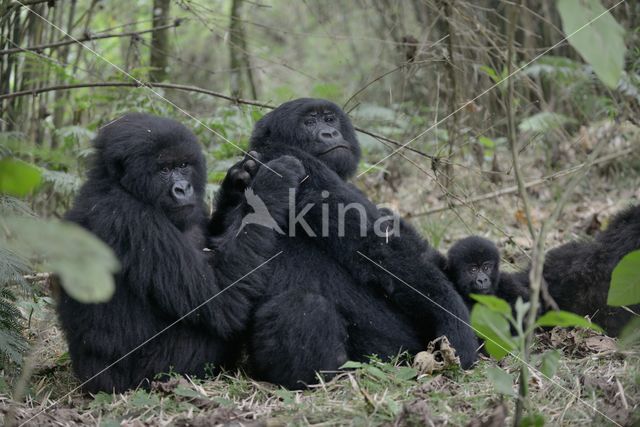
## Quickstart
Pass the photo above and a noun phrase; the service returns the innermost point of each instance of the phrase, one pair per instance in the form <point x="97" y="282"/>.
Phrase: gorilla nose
<point x="328" y="135"/>
<point x="482" y="282"/>
<point x="182" y="191"/>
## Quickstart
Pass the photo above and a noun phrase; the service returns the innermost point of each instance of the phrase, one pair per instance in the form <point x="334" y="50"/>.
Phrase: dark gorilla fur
<point x="473" y="265"/>
<point x="144" y="198"/>
<point x="578" y="274"/>
<point x="325" y="303"/>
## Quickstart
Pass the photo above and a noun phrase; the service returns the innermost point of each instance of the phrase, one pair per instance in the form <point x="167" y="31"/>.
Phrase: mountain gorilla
<point x="326" y="300"/>
<point x="144" y="198"/>
<point x="578" y="274"/>
<point x="473" y="265"/>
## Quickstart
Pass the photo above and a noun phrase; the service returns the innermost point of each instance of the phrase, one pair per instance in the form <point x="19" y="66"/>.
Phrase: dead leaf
<point x="600" y="343"/>
<point x="425" y="363"/>
<point x="438" y="356"/>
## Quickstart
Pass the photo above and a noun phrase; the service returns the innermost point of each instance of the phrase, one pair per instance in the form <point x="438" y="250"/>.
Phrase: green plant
<point x="493" y="320"/>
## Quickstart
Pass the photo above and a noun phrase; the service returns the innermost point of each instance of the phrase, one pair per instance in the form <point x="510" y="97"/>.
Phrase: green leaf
<point x="376" y="372"/>
<point x="287" y="396"/>
<point x="533" y="420"/>
<point x="493" y="303"/>
<point x="142" y="399"/>
<point x="493" y="328"/>
<point x="487" y="142"/>
<point x="352" y="365"/>
<point x="549" y="363"/>
<point x="84" y="263"/>
<point x="493" y="75"/>
<point x="625" y="281"/>
<point x="600" y="42"/>
<point x="406" y="373"/>
<point x="18" y="178"/>
<point x="501" y="380"/>
<point x="186" y="392"/>
<point x="565" y="319"/>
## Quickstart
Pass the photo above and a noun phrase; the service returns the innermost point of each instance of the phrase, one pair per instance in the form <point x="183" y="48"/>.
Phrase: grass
<point x="592" y="375"/>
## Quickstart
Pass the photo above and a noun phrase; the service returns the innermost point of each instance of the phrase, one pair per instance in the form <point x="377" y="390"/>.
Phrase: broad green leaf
<point x="493" y="328"/>
<point x="565" y="319"/>
<point x="596" y="35"/>
<point x="625" y="281"/>
<point x="493" y="303"/>
<point x="549" y="363"/>
<point x="501" y="380"/>
<point x="84" y="263"/>
<point x="18" y="178"/>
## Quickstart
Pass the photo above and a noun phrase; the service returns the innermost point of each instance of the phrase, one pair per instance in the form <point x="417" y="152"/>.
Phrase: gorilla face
<point x="156" y="160"/>
<point x="474" y="265"/>
<point x="316" y="126"/>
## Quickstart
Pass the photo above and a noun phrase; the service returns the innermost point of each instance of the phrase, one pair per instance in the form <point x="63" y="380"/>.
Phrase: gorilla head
<point x="156" y="160"/>
<point x="473" y="264"/>
<point x="315" y="126"/>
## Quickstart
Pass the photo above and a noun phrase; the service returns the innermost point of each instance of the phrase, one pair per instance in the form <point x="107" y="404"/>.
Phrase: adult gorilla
<point x="325" y="302"/>
<point x="144" y="198"/>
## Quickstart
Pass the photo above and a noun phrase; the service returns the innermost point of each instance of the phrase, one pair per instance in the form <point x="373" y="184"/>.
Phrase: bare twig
<point x="87" y="37"/>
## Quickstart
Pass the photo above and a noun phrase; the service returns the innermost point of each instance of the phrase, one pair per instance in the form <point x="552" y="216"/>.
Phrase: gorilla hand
<point x="242" y="173"/>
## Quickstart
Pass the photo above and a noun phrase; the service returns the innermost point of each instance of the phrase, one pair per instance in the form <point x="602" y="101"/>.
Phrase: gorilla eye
<point x="165" y="169"/>
<point x="473" y="269"/>
<point x="310" y="122"/>
<point x="329" y="119"/>
<point x="183" y="165"/>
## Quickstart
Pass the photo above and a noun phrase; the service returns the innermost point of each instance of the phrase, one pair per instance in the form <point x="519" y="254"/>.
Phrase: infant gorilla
<point x="577" y="274"/>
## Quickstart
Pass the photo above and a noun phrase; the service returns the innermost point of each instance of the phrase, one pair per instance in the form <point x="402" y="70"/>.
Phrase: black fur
<point x="144" y="198"/>
<point x="578" y="274"/>
<point x="325" y="303"/>
<point x="473" y="256"/>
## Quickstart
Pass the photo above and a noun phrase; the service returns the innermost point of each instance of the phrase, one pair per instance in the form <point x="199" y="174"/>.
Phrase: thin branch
<point x="189" y="88"/>
<point x="88" y="37"/>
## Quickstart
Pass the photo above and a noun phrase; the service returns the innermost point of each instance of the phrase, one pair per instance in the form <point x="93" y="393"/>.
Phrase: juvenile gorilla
<point x="326" y="300"/>
<point x="578" y="274"/>
<point x="144" y="198"/>
<point x="473" y="265"/>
